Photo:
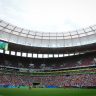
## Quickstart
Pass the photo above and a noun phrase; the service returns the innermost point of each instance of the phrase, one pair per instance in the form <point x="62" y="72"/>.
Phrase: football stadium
<point x="38" y="63"/>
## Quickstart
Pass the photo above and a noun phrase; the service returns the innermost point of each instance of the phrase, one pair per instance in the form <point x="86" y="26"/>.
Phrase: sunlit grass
<point x="47" y="92"/>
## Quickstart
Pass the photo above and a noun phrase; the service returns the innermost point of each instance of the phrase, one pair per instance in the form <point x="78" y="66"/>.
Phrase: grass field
<point x="47" y="92"/>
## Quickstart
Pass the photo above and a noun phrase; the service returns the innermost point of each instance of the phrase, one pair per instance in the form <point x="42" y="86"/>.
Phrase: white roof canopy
<point x="49" y="15"/>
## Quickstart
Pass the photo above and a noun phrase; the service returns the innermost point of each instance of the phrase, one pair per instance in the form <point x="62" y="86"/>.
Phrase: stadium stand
<point x="69" y="63"/>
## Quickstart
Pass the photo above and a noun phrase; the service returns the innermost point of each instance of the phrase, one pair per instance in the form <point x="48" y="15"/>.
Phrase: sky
<point x="49" y="15"/>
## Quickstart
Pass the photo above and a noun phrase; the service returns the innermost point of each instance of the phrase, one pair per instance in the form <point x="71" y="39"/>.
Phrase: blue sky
<point x="49" y="15"/>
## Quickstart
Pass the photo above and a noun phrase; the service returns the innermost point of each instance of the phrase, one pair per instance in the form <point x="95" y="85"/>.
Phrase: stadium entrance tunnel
<point x="35" y="85"/>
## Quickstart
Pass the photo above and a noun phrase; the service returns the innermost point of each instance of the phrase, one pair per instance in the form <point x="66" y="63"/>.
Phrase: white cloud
<point x="49" y="15"/>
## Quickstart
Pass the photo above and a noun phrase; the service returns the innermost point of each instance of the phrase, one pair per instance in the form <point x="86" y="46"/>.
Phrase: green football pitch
<point x="47" y="92"/>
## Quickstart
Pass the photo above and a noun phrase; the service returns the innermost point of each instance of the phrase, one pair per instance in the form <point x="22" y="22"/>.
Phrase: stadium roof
<point x="21" y="36"/>
<point x="26" y="19"/>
